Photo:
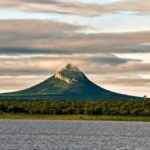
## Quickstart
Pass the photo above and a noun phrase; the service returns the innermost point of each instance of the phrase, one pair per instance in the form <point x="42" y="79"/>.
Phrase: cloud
<point x="125" y="84"/>
<point x="78" y="7"/>
<point x="110" y="59"/>
<point x="54" y="6"/>
<point x="130" y="82"/>
<point x="12" y="83"/>
<point x="48" y="37"/>
<point x="42" y="46"/>
<point x="136" y="6"/>
<point x="126" y="68"/>
<point x="126" y="81"/>
<point x="48" y="64"/>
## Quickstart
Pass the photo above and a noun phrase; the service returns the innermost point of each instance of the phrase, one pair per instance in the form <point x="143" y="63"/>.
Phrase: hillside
<point x="67" y="84"/>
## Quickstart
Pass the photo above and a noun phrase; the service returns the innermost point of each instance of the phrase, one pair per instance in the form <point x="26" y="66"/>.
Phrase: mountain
<point x="67" y="84"/>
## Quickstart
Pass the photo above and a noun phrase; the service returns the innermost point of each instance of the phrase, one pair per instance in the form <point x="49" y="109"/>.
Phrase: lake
<point x="74" y="135"/>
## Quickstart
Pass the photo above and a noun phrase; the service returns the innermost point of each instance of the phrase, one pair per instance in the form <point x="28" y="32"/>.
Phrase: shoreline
<point x="7" y="116"/>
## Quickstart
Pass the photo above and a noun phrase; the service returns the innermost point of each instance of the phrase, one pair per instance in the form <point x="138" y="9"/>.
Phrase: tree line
<point x="77" y="107"/>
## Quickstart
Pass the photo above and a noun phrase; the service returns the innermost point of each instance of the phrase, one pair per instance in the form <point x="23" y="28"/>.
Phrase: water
<point x="74" y="135"/>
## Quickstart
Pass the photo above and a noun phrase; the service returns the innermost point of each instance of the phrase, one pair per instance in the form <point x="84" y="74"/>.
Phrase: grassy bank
<point x="73" y="117"/>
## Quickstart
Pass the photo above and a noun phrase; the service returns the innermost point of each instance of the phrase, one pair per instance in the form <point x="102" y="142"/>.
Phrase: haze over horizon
<point x="109" y="40"/>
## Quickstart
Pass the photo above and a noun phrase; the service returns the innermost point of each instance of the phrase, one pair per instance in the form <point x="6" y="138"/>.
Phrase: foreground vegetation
<point x="19" y="116"/>
<point x="103" y="110"/>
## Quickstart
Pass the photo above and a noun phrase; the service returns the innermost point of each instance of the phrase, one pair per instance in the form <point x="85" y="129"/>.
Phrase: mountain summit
<point x="70" y="74"/>
<point x="67" y="84"/>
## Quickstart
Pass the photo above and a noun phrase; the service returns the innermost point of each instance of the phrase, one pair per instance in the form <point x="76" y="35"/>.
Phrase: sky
<point x="109" y="40"/>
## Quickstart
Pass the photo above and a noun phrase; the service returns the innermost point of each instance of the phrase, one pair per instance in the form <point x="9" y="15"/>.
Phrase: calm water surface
<point x="74" y="135"/>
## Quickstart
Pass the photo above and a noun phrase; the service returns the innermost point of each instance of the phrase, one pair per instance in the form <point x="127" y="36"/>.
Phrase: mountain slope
<point x="67" y="84"/>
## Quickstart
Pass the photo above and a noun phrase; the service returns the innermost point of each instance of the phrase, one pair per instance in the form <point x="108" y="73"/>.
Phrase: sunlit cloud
<point x="79" y="7"/>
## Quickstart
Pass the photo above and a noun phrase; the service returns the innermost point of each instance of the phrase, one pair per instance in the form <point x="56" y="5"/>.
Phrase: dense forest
<point x="87" y="108"/>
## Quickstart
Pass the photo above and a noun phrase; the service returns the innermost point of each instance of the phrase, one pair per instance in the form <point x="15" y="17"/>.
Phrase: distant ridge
<point x="67" y="84"/>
